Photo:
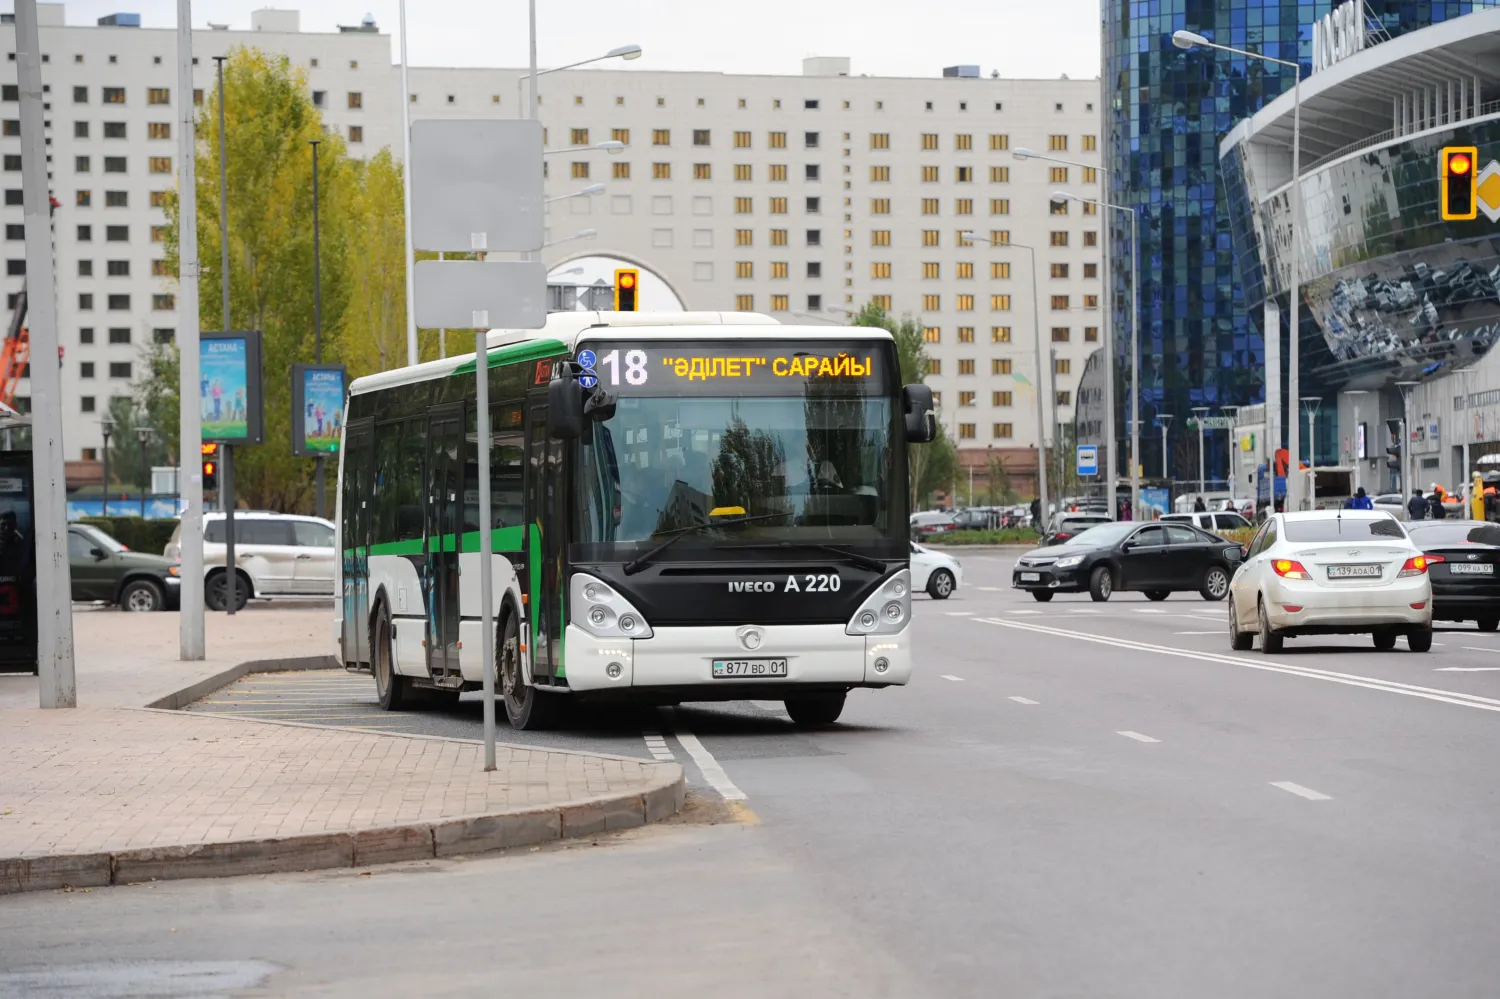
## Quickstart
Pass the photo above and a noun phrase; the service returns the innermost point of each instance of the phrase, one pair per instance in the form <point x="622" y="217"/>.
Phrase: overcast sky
<point x="1020" y="38"/>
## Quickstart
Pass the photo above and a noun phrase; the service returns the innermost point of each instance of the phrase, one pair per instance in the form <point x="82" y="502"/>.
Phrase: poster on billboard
<point x="229" y="373"/>
<point x="1156" y="501"/>
<point x="17" y="565"/>
<point x="317" y="409"/>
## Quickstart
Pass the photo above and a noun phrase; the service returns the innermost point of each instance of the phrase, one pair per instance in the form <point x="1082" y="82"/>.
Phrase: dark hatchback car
<point x="1154" y="559"/>
<point x="1463" y="562"/>
<point x="103" y="569"/>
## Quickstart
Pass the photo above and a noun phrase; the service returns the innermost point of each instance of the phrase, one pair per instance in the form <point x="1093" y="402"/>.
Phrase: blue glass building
<point x="1167" y="110"/>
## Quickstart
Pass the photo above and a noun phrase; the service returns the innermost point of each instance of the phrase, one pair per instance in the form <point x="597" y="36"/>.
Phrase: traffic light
<point x="1459" y="192"/>
<point x="210" y="468"/>
<point x="627" y="281"/>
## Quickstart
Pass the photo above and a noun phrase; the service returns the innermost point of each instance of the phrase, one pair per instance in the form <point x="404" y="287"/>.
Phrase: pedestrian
<point x="1416" y="507"/>
<point x="1435" y="508"/>
<point x="1199" y="506"/>
<point x="1361" y="501"/>
<point x="1036" y="513"/>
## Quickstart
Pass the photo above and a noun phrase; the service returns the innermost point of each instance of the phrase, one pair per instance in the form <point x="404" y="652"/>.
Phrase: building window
<point x="814" y="237"/>
<point x="1091" y="301"/>
<point x="965" y="430"/>
<point x="1000" y="366"/>
<point x="812" y="206"/>
<point x="1057" y="207"/>
<point x="354" y="100"/>
<point x="778" y="206"/>
<point x="934" y="367"/>
<point x="963" y="206"/>
<point x="965" y="303"/>
<point x="702" y="171"/>
<point x="814" y="303"/>
<point x="929" y="206"/>
<point x="929" y="237"/>
<point x="161" y="164"/>
<point x="963" y="143"/>
<point x="743" y="171"/>
<point x="114" y="95"/>
<point x="999" y="237"/>
<point x="814" y="269"/>
<point x="580" y="170"/>
<point x="320" y="98"/>
<point x="966" y="334"/>
<point x="1057" y="143"/>
<point x="114" y="130"/>
<point x="811" y="172"/>
<point x="1061" y="334"/>
<point x="778" y="269"/>
<point x="880" y="237"/>
<point x="80" y="164"/>
<point x="80" y="95"/>
<point x="163" y="303"/>
<point x="999" y="270"/>
<point x="661" y="137"/>
<point x="579" y="136"/>
<point x="86" y="334"/>
<point x="744" y="237"/>
<point x="742" y="140"/>
<point x="198" y="97"/>
<point x="999" y="142"/>
<point x="778" y="172"/>
<point x="119" y="369"/>
<point x="114" y="164"/>
<point x="620" y="135"/>
<point x="932" y="334"/>
<point x="1091" y="334"/>
<point x="159" y="269"/>
<point x="1090" y="208"/>
<point x="119" y="334"/>
<point x="158" y="95"/>
<point x="999" y="303"/>
<point x="880" y="140"/>
<point x="1057" y="175"/>
<point x="932" y="303"/>
<point x="744" y="206"/>
<point x="119" y="303"/>
<point x="809" y="140"/>
<point x="929" y="140"/>
<point x="620" y="171"/>
<point x="158" y="233"/>
<point x="1065" y="398"/>
<point x="1001" y="431"/>
<point x="86" y="405"/>
<point x="966" y="398"/>
<point x="1089" y="239"/>
<point x="1090" y="175"/>
<point x="932" y="270"/>
<point x="965" y="270"/>
<point x="86" y="369"/>
<point x="85" y="268"/>
<point x="880" y="270"/>
<point x="776" y="140"/>
<point x="744" y="269"/>
<point x="117" y="234"/>
<point x="880" y="174"/>
<point x="1059" y="239"/>
<point x="159" y="130"/>
<point x="117" y="268"/>
<point x="1090" y="143"/>
<point x="661" y="171"/>
<point x="1059" y="303"/>
<point x="83" y="199"/>
<point x="1059" y="270"/>
<point x="779" y="303"/>
<point x="1000" y="399"/>
<point x="929" y="175"/>
<point x="1091" y="270"/>
<point x="778" y="237"/>
<point x="880" y="206"/>
<point x="744" y="303"/>
<point x="1061" y="366"/>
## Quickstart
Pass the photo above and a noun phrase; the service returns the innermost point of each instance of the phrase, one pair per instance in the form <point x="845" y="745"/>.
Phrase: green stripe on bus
<point x="530" y="350"/>
<point x="504" y="539"/>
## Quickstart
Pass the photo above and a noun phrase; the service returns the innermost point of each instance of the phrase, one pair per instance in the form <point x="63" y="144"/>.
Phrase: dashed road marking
<point x="1147" y="610"/>
<point x="955" y="679"/>
<point x="1219" y="631"/>
<point x="992" y="589"/>
<point x="1083" y="610"/>
<point x="959" y="613"/>
<point x="1138" y="737"/>
<point x="1467" y="669"/>
<point x="1477" y="648"/>
<point x="709" y="767"/>
<point x="657" y="746"/>
<point x="1023" y="611"/>
<point x="1023" y="700"/>
<point x="1300" y="791"/>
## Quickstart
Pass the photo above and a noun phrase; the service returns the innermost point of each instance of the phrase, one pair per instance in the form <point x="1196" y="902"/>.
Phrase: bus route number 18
<point x="635" y="366"/>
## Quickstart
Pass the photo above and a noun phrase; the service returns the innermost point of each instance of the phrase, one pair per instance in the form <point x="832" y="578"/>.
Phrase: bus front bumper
<point x="678" y="662"/>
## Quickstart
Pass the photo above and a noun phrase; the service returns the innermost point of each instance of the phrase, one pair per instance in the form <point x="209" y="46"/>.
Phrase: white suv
<point x="275" y="555"/>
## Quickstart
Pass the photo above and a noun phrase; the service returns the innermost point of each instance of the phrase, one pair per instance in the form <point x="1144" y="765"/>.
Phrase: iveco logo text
<point x="817" y="582"/>
<point x="751" y="586"/>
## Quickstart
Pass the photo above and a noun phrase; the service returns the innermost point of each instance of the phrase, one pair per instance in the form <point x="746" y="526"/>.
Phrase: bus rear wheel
<point x="392" y="689"/>
<point x="816" y="710"/>
<point x="525" y="709"/>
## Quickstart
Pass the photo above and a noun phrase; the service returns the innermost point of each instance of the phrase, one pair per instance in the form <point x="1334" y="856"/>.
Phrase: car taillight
<point x="1417" y="564"/>
<point x="1289" y="569"/>
<point x="1062" y="534"/>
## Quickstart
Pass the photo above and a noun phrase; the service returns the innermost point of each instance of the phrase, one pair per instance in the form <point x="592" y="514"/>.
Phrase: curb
<point x="472" y="834"/>
<point x="201" y="688"/>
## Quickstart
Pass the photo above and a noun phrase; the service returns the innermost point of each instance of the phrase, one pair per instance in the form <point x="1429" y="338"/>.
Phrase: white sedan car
<point x="1333" y="572"/>
<point x="935" y="572"/>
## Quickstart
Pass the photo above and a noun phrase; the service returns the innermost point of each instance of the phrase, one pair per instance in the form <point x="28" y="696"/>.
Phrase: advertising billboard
<point x="229" y="373"/>
<point x="317" y="408"/>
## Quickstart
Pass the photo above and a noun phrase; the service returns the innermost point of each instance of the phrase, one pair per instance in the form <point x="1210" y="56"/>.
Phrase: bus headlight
<point x="887" y="610"/>
<point x="599" y="610"/>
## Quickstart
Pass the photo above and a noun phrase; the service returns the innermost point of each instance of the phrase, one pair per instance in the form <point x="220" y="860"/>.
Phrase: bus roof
<point x="564" y="329"/>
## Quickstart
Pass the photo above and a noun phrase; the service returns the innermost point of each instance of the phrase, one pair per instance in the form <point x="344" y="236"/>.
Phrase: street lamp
<point x="106" y="427"/>
<point x="1201" y="412"/>
<point x="143" y="434"/>
<point x="1036" y="333"/>
<point x="626" y="52"/>
<point x="1164" y="419"/>
<point x="1312" y="402"/>
<point x="1354" y="395"/>
<point x="581" y="234"/>
<point x="607" y="146"/>
<point x="1135" y="346"/>
<point x="1408" y="473"/>
<point x="587" y="192"/>
<point x="1188" y="40"/>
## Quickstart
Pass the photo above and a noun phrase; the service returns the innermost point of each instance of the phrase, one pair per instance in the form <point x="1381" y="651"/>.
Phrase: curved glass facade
<point x="1201" y="343"/>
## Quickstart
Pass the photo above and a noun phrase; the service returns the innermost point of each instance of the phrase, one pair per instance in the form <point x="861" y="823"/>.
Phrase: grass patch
<point x="1010" y="536"/>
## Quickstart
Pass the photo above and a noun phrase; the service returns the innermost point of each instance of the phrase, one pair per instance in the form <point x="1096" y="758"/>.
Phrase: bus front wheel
<point x="526" y="709"/>
<point x="814" y="710"/>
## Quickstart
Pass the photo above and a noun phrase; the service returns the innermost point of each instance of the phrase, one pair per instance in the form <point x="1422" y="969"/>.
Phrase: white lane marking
<point x="1477" y="648"/>
<point x="1218" y="631"/>
<point x="1389" y="686"/>
<point x="1083" y="610"/>
<point x="992" y="589"/>
<point x="1300" y="791"/>
<point x="959" y="613"/>
<point x="1467" y="669"/>
<point x="657" y="746"/>
<point x="1024" y="612"/>
<point x="955" y="679"/>
<point x="1147" y="610"/>
<point x="774" y="706"/>
<point x="1137" y="737"/>
<point x="709" y="767"/>
<point x="1023" y="700"/>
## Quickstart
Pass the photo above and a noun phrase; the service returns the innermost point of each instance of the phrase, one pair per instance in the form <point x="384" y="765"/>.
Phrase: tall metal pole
<point x="1110" y="430"/>
<point x="1135" y="367"/>
<point x="190" y="406"/>
<point x="1041" y="386"/>
<point x="442" y="335"/>
<point x="409" y="264"/>
<point x="1201" y="411"/>
<point x="231" y="576"/>
<point x="144" y="471"/>
<point x="106" y="425"/>
<point x="532" y="108"/>
<point x="57" y="683"/>
<point x="1408" y="473"/>
<point x="486" y="537"/>
<point x="318" y="470"/>
<point x="1294" y="382"/>
<point x="1233" y="472"/>
<point x="1312" y="402"/>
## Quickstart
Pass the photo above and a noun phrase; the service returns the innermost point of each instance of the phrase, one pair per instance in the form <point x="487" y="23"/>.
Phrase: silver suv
<point x="275" y="555"/>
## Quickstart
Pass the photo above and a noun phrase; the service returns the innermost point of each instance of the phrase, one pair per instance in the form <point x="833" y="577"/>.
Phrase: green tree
<point x="997" y="485"/>
<point x="126" y="469"/>
<point x="931" y="466"/>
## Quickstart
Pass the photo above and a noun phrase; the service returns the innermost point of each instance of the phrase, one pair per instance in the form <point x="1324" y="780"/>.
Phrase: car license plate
<point x="1354" y="571"/>
<point x="1466" y="569"/>
<point x="734" y="669"/>
<point x="1031" y="577"/>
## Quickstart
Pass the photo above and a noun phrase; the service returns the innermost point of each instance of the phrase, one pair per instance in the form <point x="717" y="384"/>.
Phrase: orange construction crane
<point x="15" y="353"/>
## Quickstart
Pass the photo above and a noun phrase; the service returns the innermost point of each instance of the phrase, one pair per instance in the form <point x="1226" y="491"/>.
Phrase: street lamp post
<point x="318" y="471"/>
<point x="1232" y="473"/>
<point x="1312" y="402"/>
<point x="1109" y="323"/>
<point x="1187" y="40"/>
<point x="1408" y="473"/>
<point x="106" y="427"/>
<point x="626" y="52"/>
<point x="1354" y="396"/>
<point x="1201" y="412"/>
<point x="143" y="434"/>
<point x="1164" y="419"/>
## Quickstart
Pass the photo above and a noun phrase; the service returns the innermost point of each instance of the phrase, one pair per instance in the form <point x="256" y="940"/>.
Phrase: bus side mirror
<point x="564" y="406"/>
<point x="921" y="421"/>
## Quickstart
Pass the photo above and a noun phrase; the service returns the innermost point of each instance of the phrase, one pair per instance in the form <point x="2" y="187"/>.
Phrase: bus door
<point x="444" y="507"/>
<point x="544" y="510"/>
<point x="355" y="529"/>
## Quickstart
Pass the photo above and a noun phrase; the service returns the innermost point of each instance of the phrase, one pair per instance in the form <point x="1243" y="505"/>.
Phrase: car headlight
<point x="599" y="610"/>
<point x="1069" y="562"/>
<point x="886" y="611"/>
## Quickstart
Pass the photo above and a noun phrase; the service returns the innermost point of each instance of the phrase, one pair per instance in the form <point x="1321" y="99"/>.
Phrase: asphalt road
<point x="1070" y="800"/>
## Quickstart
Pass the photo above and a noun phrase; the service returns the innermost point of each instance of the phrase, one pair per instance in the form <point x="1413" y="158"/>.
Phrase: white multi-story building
<point x="799" y="196"/>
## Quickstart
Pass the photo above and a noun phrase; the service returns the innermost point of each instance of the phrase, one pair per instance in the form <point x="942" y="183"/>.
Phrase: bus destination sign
<point x="713" y="368"/>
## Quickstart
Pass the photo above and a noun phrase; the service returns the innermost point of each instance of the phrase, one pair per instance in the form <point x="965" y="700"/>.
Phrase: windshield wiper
<point x="853" y="558"/>
<point x="636" y="565"/>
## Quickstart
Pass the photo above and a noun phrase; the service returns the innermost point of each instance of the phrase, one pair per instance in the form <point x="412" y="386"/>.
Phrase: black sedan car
<point x="1463" y="562"/>
<point x="1155" y="559"/>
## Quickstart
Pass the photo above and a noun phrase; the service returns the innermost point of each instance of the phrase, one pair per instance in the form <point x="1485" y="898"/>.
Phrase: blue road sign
<point x="589" y="378"/>
<point x="586" y="359"/>
<point x="1088" y="459"/>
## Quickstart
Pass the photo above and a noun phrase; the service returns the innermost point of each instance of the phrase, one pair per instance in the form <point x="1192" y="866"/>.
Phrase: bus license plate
<point x="1478" y="569"/>
<point x="735" y="669"/>
<point x="1354" y="572"/>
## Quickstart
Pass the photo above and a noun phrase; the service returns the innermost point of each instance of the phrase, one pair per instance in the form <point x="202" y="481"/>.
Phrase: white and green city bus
<point x="689" y="506"/>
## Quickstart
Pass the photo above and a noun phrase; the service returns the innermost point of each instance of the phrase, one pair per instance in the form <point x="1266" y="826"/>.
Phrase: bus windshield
<point x="813" y="469"/>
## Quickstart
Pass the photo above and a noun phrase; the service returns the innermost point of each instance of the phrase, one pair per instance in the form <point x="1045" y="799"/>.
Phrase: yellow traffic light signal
<point x="627" y="283"/>
<point x="1459" y="192"/>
